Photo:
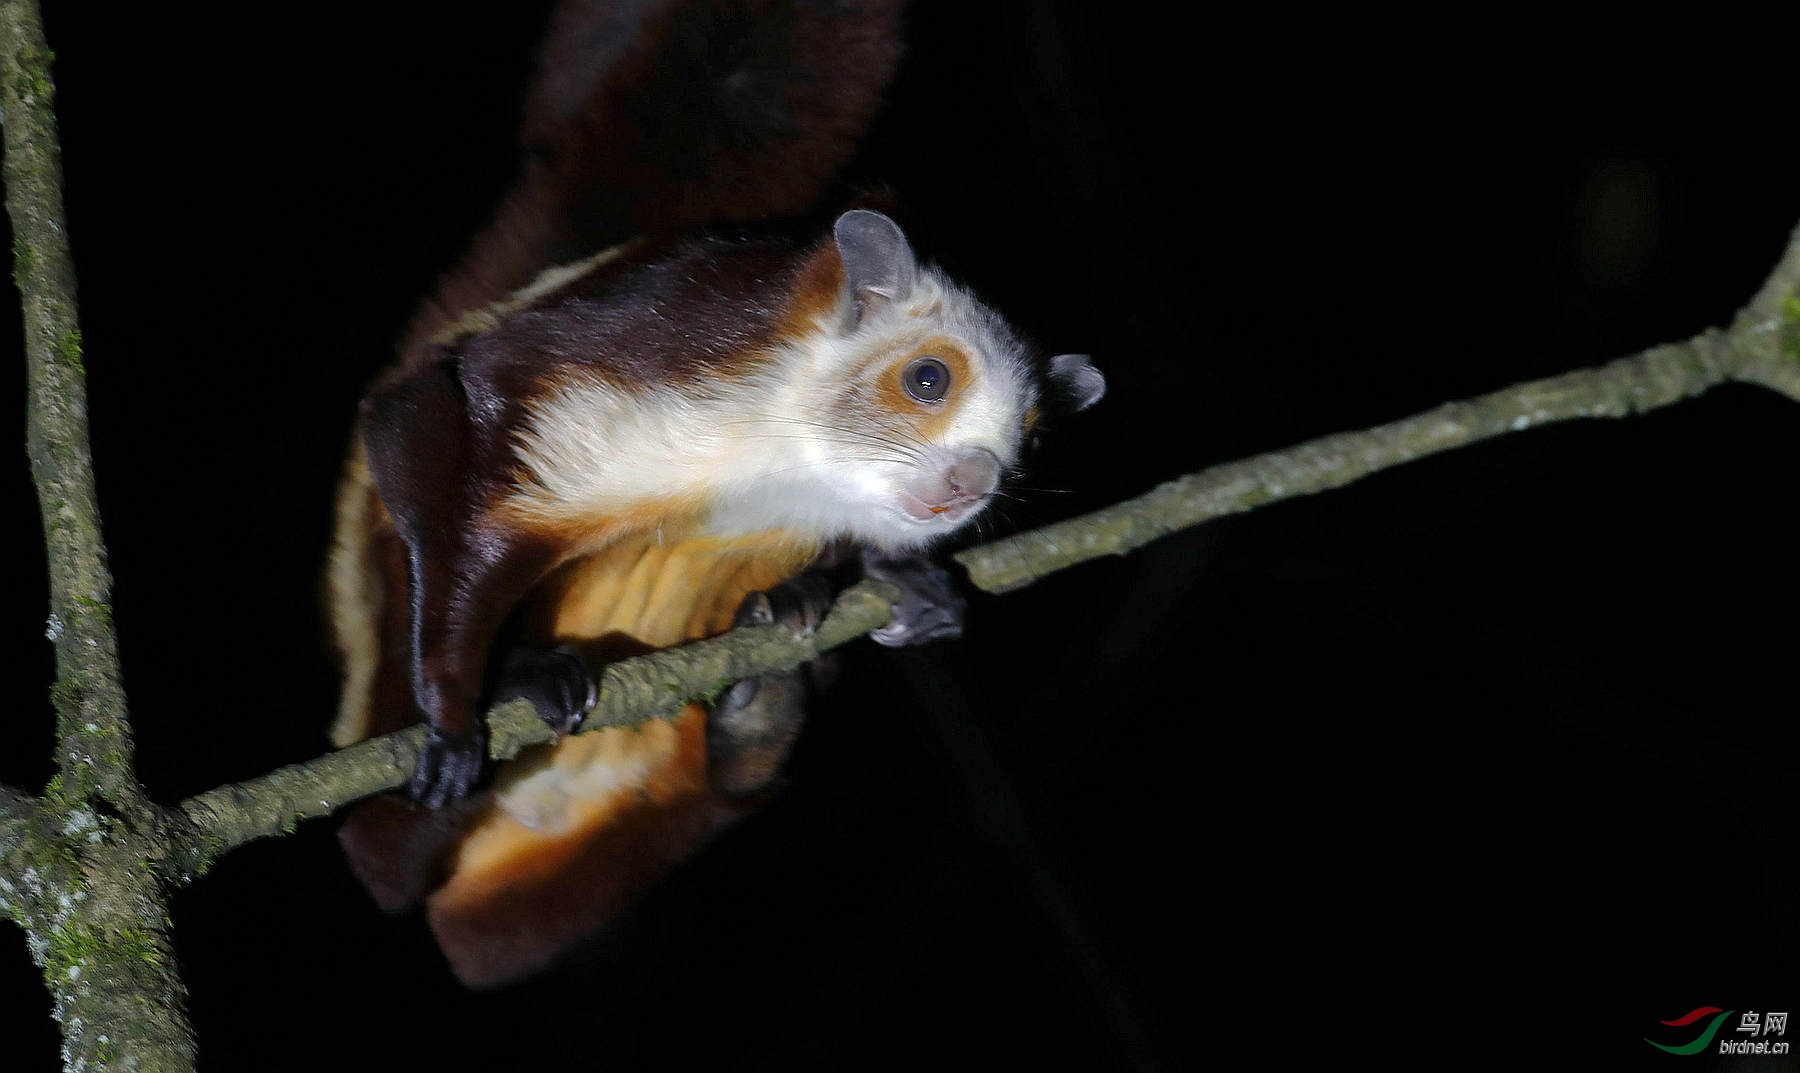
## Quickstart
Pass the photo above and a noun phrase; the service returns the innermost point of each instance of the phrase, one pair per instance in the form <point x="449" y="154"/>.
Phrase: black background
<point x="1490" y="753"/>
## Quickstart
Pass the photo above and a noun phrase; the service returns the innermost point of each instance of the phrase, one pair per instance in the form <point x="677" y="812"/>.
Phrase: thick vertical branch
<point x="95" y="752"/>
<point x="77" y="875"/>
<point x="16" y="812"/>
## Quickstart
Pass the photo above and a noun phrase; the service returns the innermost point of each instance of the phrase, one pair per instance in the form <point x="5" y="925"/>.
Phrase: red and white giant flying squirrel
<point x="635" y="415"/>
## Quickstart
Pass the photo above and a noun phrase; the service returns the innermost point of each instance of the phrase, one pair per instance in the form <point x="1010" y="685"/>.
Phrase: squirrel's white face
<point x="913" y="402"/>
<point x="890" y="421"/>
<point x="923" y="413"/>
<point x="904" y="407"/>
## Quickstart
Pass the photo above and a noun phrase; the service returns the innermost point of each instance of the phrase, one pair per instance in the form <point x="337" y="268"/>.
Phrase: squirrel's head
<point x="924" y="396"/>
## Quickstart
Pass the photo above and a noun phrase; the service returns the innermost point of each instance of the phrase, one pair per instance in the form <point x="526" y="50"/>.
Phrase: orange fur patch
<point x="815" y="293"/>
<point x="661" y="592"/>
<point x="510" y="846"/>
<point x="573" y="830"/>
<point x="658" y="519"/>
<point x="929" y="420"/>
<point x="519" y="896"/>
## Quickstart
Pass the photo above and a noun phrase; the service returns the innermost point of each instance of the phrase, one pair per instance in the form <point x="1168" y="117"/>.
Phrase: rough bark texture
<point x="632" y="691"/>
<point x="86" y="868"/>
<point x="75" y="874"/>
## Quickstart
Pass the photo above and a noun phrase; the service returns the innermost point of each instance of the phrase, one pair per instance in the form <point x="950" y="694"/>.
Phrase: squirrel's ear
<point x="1078" y="383"/>
<point x="879" y="267"/>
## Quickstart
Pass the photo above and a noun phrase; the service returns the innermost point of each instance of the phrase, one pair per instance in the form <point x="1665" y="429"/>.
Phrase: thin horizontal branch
<point x="657" y="684"/>
<point x="632" y="691"/>
<point x="1762" y="347"/>
<point x="1782" y="377"/>
<point x="1654" y="378"/>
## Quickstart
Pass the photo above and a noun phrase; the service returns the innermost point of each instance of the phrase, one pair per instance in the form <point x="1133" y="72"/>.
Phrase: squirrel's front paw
<point x="556" y="681"/>
<point x="449" y="767"/>
<point x="929" y="609"/>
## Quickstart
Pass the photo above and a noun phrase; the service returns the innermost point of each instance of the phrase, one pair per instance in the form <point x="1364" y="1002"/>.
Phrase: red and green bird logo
<point x="1700" y="1042"/>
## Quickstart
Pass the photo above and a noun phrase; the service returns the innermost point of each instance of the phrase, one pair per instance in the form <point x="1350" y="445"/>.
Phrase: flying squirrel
<point x="649" y="446"/>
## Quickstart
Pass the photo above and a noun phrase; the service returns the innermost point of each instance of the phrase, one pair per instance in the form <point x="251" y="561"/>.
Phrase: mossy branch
<point x="86" y="868"/>
<point x="75" y="873"/>
<point x="652" y="686"/>
<point x="94" y="738"/>
<point x="13" y="803"/>
<point x="656" y="685"/>
<point x="16" y="813"/>
<point x="1761" y="347"/>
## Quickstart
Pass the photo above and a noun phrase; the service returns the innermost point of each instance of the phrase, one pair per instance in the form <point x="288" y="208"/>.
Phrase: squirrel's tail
<point x="651" y="116"/>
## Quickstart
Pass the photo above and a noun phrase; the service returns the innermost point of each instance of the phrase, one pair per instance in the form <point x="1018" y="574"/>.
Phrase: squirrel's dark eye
<point x="926" y="379"/>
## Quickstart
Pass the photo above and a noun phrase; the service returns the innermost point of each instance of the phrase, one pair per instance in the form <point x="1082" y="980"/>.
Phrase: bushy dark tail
<point x="650" y="116"/>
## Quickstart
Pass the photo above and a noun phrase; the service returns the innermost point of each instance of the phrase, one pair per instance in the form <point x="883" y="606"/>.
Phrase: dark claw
<point x="752" y="725"/>
<point x="756" y="610"/>
<point x="930" y="607"/>
<point x="556" y="681"/>
<point x="799" y="603"/>
<point x="449" y="767"/>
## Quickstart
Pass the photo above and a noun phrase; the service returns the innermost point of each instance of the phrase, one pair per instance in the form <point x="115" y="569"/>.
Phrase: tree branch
<point x="1761" y="347"/>
<point x="16" y="813"/>
<point x="96" y="919"/>
<point x="75" y="876"/>
<point x="1642" y="382"/>
<point x="651" y="686"/>
<point x="95" y="748"/>
<point x="655" y="685"/>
